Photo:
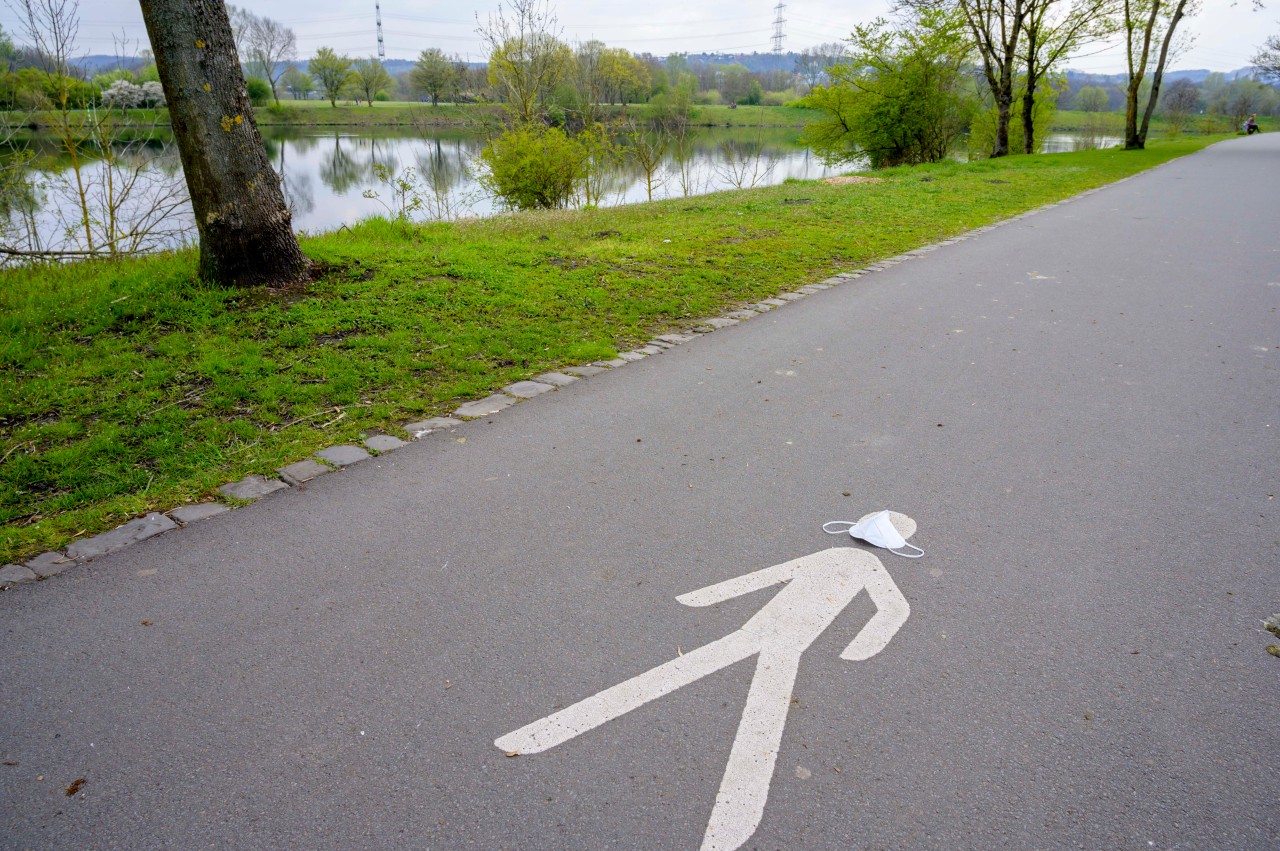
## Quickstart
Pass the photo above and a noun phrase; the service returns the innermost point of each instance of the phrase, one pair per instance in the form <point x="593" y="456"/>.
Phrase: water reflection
<point x="342" y="168"/>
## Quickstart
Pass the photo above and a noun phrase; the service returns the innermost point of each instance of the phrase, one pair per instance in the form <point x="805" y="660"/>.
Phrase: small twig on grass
<point x="12" y="450"/>
<point x="194" y="394"/>
<point x="339" y="417"/>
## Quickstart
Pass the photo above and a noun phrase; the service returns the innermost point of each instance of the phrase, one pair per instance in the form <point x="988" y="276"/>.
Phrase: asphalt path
<point x="1079" y="409"/>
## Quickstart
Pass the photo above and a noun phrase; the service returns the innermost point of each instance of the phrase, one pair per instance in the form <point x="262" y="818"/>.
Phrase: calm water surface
<point x="329" y="174"/>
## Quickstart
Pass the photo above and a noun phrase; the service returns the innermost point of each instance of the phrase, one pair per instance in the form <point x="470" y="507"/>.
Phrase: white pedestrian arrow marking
<point x="819" y="587"/>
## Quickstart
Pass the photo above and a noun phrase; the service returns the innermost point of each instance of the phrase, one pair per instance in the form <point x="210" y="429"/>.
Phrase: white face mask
<point x="879" y="529"/>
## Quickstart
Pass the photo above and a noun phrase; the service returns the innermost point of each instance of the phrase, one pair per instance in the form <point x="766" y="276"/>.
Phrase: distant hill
<point x="756" y="62"/>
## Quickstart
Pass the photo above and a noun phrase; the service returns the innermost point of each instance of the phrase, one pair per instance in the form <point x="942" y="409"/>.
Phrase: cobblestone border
<point x="330" y="459"/>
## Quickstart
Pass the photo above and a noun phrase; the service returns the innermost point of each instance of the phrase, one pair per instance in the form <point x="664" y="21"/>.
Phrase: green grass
<point x="132" y="386"/>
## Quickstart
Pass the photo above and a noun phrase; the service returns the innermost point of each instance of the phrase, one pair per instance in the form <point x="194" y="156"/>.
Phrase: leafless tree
<point x="102" y="196"/>
<point x="268" y="48"/>
<point x="1267" y="59"/>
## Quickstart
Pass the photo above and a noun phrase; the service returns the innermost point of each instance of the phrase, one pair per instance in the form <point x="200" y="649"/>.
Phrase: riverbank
<point x="154" y="123"/>
<point x="132" y="387"/>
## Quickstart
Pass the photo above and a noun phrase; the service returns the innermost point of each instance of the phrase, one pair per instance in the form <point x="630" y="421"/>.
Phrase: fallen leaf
<point x="146" y="622"/>
<point x="513" y="753"/>
<point x="76" y="786"/>
<point x="9" y="762"/>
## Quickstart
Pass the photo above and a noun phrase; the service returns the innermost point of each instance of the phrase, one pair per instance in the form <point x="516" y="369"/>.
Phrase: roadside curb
<point x="335" y="458"/>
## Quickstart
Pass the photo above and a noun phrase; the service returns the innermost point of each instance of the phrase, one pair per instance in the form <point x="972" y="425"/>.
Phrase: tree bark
<point x="246" y="231"/>
<point x="1157" y="76"/>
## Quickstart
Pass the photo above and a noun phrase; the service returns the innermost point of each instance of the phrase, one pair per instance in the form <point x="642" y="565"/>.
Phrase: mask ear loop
<point x="849" y="524"/>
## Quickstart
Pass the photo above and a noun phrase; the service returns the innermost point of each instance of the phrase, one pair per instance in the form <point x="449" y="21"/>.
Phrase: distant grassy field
<point x="133" y="386"/>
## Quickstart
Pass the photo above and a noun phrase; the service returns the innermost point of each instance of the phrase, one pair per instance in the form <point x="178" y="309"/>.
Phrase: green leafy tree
<point x="1092" y="99"/>
<point x="1150" y="27"/>
<point x="298" y="82"/>
<point x="434" y="75"/>
<point x="1044" y="106"/>
<point x="899" y="97"/>
<point x="527" y="59"/>
<point x="1053" y="30"/>
<point x="332" y="71"/>
<point x="369" y="76"/>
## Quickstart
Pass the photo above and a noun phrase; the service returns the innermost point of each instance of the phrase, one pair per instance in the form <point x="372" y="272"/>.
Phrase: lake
<point x="330" y="178"/>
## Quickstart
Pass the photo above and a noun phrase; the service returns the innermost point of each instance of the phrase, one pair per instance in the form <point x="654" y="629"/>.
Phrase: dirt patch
<point x="841" y="181"/>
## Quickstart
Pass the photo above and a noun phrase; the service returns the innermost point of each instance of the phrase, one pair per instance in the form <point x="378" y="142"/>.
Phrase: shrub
<point x="533" y="167"/>
<point x="259" y="90"/>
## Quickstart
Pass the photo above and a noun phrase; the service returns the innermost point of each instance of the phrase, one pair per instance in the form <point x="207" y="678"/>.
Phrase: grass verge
<point x="133" y="386"/>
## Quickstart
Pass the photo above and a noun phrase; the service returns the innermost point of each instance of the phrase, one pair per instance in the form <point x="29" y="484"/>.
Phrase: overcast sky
<point x="1227" y="33"/>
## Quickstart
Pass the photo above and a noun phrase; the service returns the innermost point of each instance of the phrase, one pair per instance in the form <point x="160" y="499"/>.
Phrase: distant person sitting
<point x="1251" y="126"/>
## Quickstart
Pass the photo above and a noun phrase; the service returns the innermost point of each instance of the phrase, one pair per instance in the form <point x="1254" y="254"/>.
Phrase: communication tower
<point x="382" y="48"/>
<point x="778" y="21"/>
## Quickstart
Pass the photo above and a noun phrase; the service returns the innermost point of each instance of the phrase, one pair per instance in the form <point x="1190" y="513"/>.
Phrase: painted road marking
<point x="819" y="586"/>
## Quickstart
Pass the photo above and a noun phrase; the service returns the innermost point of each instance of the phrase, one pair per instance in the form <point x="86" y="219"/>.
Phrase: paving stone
<point x="559" y="379"/>
<point x="611" y="364"/>
<point x="677" y="339"/>
<point x="835" y="281"/>
<point x="632" y="357"/>
<point x="742" y="314"/>
<point x="303" y="471"/>
<point x="527" y="389"/>
<point x="720" y="322"/>
<point x="343" y="455"/>
<point x="200" y="511"/>
<point x="808" y="289"/>
<point x="776" y="302"/>
<point x="662" y="344"/>
<point x="12" y="574"/>
<point x="791" y="296"/>
<point x="760" y="308"/>
<point x="425" y="427"/>
<point x="121" y="536"/>
<point x="50" y="564"/>
<point x="251" y="487"/>
<point x="585" y="371"/>
<point x="384" y="443"/>
<point x="484" y="407"/>
<point x="651" y="350"/>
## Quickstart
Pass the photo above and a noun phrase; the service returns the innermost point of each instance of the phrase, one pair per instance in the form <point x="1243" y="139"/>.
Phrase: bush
<point x="382" y="97"/>
<point x="533" y="167"/>
<point x="259" y="90"/>
<point x="710" y="97"/>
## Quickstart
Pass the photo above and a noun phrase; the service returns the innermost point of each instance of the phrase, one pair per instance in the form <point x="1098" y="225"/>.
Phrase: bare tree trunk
<point x="1137" y="70"/>
<point x="246" y="233"/>
<point x="1158" y="75"/>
